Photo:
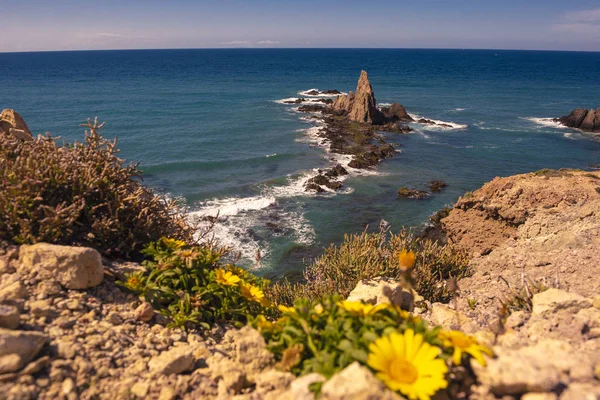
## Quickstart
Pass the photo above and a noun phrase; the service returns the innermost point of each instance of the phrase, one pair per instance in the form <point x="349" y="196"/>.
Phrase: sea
<point x="210" y="128"/>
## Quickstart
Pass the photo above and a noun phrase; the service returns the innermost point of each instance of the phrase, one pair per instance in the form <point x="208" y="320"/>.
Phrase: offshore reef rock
<point x="396" y="112"/>
<point x="364" y="108"/>
<point x="412" y="193"/>
<point x="315" y="183"/>
<point x="582" y="118"/>
<point x="437" y="186"/>
<point x="311" y="108"/>
<point x="343" y="103"/>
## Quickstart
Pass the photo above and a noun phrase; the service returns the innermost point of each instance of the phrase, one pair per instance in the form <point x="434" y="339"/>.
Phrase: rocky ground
<point x="68" y="331"/>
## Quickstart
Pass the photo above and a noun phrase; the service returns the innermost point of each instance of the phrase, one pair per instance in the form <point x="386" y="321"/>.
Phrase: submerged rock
<point x="437" y="186"/>
<point x="412" y="193"/>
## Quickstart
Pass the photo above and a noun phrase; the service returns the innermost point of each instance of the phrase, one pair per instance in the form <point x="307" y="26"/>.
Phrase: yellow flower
<point x="173" y="243"/>
<point x="406" y="259"/>
<point x="263" y="324"/>
<point x="287" y="310"/>
<point x="361" y="309"/>
<point x="405" y="363"/>
<point x="463" y="343"/>
<point x="134" y="282"/>
<point x="319" y="309"/>
<point x="187" y="255"/>
<point x="236" y="270"/>
<point x="226" y="278"/>
<point x="254" y="293"/>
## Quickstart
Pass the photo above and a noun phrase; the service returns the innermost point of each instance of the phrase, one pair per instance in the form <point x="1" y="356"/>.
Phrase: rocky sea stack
<point x="582" y="118"/>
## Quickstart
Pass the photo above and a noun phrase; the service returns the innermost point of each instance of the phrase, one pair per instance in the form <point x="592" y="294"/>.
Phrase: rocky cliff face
<point x="584" y="119"/>
<point x="360" y="106"/>
<point x="537" y="232"/>
<point x="542" y="226"/>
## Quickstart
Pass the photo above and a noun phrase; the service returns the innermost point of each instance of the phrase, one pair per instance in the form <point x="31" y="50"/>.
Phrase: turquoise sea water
<point x="207" y="126"/>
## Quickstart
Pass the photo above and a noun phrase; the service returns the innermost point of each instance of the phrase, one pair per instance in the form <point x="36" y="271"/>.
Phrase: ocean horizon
<point x="211" y="127"/>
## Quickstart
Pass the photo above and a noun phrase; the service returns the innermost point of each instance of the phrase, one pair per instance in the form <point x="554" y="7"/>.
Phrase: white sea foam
<point x="547" y="122"/>
<point x="271" y="155"/>
<point x="287" y="101"/>
<point x="305" y="93"/>
<point x="453" y="125"/>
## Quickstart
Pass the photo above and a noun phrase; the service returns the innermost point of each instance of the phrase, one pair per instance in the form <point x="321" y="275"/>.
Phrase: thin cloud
<point x="108" y="34"/>
<point x="586" y="16"/>
<point x="236" y="42"/>
<point x="269" y="42"/>
<point x="585" y="22"/>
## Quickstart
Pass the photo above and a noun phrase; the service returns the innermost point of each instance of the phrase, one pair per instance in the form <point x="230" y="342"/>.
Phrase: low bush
<point x="327" y="335"/>
<point x="80" y="194"/>
<point x="370" y="255"/>
<point x="189" y="286"/>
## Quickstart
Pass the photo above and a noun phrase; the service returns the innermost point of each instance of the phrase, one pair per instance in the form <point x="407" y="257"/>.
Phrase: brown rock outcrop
<point x="582" y="118"/>
<point x="343" y="103"/>
<point x="12" y="123"/>
<point x="364" y="107"/>
<point x="396" y="112"/>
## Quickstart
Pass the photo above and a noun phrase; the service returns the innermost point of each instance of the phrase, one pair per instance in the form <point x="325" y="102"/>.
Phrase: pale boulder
<point x="380" y="290"/>
<point x="72" y="267"/>
<point x="553" y="300"/>
<point x="173" y="361"/>
<point x="356" y="382"/>
<point x="24" y="345"/>
<point x="9" y="316"/>
<point x="11" y="120"/>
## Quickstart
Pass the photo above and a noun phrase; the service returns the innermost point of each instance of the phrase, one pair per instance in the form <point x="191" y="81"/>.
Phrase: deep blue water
<point x="206" y="127"/>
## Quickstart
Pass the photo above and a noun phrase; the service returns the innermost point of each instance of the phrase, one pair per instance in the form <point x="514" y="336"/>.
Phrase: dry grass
<point x="369" y="255"/>
<point x="80" y="194"/>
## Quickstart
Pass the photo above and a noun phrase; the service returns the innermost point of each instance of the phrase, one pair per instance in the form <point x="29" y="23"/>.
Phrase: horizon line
<point x="297" y="48"/>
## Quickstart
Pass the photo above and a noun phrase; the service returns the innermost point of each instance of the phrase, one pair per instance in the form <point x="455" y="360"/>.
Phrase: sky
<point x="42" y="25"/>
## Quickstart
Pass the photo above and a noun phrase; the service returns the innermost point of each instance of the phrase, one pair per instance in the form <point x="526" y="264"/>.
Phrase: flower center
<point x="461" y="341"/>
<point x="403" y="371"/>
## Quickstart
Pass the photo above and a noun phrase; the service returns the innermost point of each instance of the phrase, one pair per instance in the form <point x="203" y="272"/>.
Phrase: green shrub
<point x="370" y="255"/>
<point x="80" y="194"/>
<point x="188" y="285"/>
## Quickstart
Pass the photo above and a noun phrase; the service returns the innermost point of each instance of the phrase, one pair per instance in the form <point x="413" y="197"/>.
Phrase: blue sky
<point x="31" y="25"/>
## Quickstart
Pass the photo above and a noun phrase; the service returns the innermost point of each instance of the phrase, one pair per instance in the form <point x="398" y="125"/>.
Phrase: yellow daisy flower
<point x="226" y="278"/>
<point x="254" y="293"/>
<point x="319" y="309"/>
<point x="463" y="343"/>
<point x="361" y="309"/>
<point x="187" y="255"/>
<point x="263" y="324"/>
<point x="173" y="243"/>
<point x="406" y="259"/>
<point x="406" y="363"/>
<point x="287" y="310"/>
<point x="237" y="270"/>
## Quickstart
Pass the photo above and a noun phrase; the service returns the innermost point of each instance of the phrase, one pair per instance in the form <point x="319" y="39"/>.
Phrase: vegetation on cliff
<point x="80" y="194"/>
